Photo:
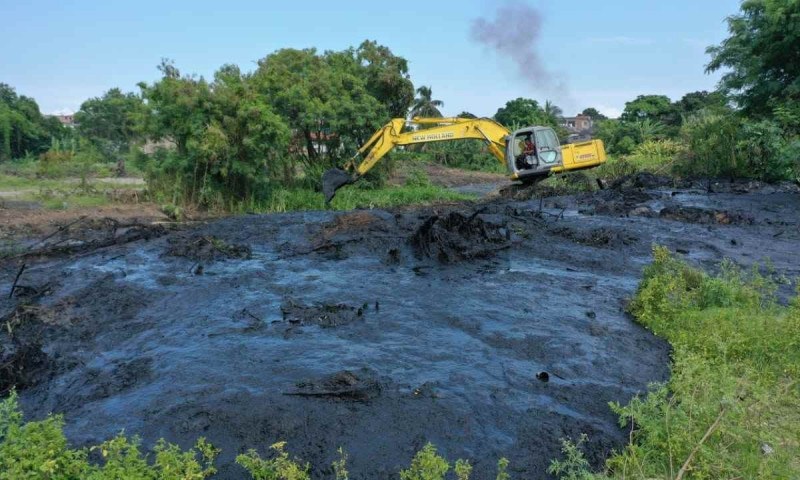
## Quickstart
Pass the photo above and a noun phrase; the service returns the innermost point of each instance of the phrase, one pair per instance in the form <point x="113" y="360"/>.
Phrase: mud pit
<point x="338" y="330"/>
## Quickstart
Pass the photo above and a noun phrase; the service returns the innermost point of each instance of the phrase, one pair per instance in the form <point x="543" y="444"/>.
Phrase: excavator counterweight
<point x="529" y="153"/>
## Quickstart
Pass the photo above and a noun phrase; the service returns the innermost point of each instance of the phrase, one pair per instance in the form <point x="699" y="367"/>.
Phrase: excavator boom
<point x="391" y="135"/>
<point x="544" y="156"/>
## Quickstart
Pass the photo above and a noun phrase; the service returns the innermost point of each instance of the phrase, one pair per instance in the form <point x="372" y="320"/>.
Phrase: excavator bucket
<point x="333" y="180"/>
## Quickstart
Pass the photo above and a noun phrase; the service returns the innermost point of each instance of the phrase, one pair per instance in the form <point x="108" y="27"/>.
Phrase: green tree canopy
<point x="387" y="77"/>
<point x="324" y="98"/>
<point x="762" y="54"/>
<point x="702" y="101"/>
<point x="230" y="142"/>
<point x="522" y="112"/>
<point x="656" y="108"/>
<point x="23" y="129"/>
<point x="593" y="113"/>
<point x="111" y="122"/>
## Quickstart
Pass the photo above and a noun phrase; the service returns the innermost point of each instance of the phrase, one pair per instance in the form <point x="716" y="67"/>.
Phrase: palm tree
<point x="552" y="110"/>
<point x="424" y="105"/>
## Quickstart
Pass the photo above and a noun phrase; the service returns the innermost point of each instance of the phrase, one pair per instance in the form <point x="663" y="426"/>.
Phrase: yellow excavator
<point x="529" y="154"/>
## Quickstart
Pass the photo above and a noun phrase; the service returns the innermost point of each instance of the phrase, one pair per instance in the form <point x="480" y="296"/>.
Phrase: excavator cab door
<point x="546" y="152"/>
<point x="547" y="148"/>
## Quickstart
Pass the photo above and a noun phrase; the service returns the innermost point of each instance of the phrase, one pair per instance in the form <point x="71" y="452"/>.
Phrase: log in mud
<point x="376" y="331"/>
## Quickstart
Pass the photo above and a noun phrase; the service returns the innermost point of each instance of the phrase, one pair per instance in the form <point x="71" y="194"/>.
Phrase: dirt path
<point x="376" y="331"/>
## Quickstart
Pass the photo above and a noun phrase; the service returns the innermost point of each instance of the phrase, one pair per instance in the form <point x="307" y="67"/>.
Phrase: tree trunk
<point x="312" y="153"/>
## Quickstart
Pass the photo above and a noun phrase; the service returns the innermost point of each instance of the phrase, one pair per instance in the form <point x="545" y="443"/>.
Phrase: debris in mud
<point x="342" y="384"/>
<point x="325" y="315"/>
<point x="619" y="202"/>
<point x="702" y="215"/>
<point x="537" y="190"/>
<point x="22" y="365"/>
<point x="206" y="248"/>
<point x="357" y="227"/>
<point x="427" y="390"/>
<point x="87" y="234"/>
<point x="596" y="237"/>
<point x="358" y="220"/>
<point x="641" y="180"/>
<point x="459" y="237"/>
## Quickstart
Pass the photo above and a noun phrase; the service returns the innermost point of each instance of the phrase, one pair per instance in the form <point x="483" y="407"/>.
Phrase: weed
<point x="279" y="468"/>
<point x="729" y="408"/>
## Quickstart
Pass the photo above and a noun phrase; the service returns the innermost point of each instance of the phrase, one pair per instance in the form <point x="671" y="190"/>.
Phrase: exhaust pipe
<point x="333" y="180"/>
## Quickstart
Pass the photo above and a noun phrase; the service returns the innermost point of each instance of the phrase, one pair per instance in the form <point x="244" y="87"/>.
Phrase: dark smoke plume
<point x="514" y="34"/>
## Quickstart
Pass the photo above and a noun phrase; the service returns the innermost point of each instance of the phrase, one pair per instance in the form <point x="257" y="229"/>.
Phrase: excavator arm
<point x="391" y="135"/>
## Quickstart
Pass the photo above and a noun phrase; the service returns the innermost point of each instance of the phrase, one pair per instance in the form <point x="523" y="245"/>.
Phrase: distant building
<point x="68" y="120"/>
<point x="580" y="127"/>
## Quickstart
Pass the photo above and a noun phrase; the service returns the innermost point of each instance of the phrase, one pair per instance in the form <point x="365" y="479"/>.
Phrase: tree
<point x="522" y="112"/>
<point x="763" y="57"/>
<point x="552" y="110"/>
<point x="111" y="122"/>
<point x="387" y="77"/>
<point x="702" y="101"/>
<point x="424" y="105"/>
<point x="594" y="114"/>
<point x="230" y="141"/>
<point x="657" y="108"/>
<point x="324" y="99"/>
<point x="23" y="129"/>
<point x="466" y="114"/>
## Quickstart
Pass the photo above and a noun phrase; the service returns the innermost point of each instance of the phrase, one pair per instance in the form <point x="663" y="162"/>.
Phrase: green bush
<point x="39" y="450"/>
<point x="729" y="409"/>
<point x="729" y="146"/>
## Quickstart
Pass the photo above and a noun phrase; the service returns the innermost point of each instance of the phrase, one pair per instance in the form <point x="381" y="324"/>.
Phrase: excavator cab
<point x="532" y="152"/>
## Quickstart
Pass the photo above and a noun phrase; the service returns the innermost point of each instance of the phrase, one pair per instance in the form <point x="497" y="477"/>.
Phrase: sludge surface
<point x="427" y="351"/>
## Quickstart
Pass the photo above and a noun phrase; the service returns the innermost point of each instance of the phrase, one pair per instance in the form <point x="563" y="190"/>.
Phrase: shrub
<point x="40" y="450"/>
<point x="730" y="146"/>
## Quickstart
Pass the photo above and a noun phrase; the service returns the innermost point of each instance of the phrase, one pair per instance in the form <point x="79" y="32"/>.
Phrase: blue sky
<point x="604" y="53"/>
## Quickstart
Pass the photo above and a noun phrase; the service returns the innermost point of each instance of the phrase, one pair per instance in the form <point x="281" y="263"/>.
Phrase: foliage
<point x="425" y="105"/>
<point x="725" y="145"/>
<point x="285" y="200"/>
<point x="594" y="114"/>
<point x="466" y="154"/>
<point x="525" y="112"/>
<point x="574" y="465"/>
<point x="702" y="102"/>
<point x="729" y="408"/>
<point x="281" y="467"/>
<point x="623" y="136"/>
<point x="426" y="465"/>
<point x="386" y="76"/>
<point x="323" y="98"/>
<point x="23" y="129"/>
<point x="762" y="57"/>
<point x="340" y="466"/>
<point x="654" y="107"/>
<point x="229" y="141"/>
<point x="417" y="177"/>
<point x="111" y="123"/>
<point x="39" y="450"/>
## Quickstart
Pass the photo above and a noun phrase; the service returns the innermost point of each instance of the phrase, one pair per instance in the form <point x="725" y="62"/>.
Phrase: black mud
<point x="376" y="331"/>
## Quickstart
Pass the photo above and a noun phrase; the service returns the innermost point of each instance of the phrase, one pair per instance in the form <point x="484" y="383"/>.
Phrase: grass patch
<point x="352" y="197"/>
<point x="75" y="201"/>
<point x="730" y="408"/>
